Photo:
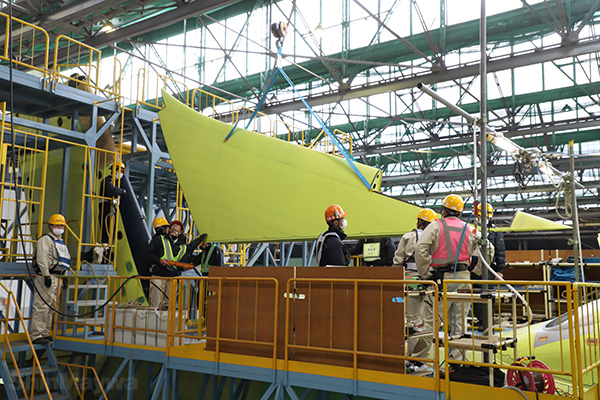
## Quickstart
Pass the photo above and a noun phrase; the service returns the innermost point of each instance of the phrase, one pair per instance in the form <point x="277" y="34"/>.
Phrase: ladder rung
<point x="29" y="371"/>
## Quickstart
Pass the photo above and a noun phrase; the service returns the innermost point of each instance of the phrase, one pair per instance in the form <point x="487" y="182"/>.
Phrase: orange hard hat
<point x="490" y="209"/>
<point x="334" y="212"/>
<point x="427" y="214"/>
<point x="454" y="202"/>
<point x="158" y="222"/>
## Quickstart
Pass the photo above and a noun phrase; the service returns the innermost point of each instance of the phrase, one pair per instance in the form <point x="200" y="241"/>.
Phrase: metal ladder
<point x="27" y="376"/>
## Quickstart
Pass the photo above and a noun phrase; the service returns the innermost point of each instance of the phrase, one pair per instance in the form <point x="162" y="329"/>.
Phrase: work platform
<point x="292" y="333"/>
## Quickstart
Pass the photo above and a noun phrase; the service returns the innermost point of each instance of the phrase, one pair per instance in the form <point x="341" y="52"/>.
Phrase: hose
<point x="512" y="289"/>
<point x="517" y="390"/>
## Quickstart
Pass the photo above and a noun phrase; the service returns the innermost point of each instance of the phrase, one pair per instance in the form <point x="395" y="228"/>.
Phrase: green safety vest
<point x="168" y="251"/>
<point x="204" y="257"/>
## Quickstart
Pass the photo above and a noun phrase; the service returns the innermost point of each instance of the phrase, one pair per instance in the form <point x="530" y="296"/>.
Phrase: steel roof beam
<point x="460" y="72"/>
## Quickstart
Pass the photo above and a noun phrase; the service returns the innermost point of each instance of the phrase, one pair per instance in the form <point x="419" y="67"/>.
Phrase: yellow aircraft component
<point x="523" y="222"/>
<point x="255" y="188"/>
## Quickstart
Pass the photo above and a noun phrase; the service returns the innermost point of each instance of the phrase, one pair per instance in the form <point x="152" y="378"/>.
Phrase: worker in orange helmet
<point x="330" y="249"/>
<point x="446" y="246"/>
<point x="419" y="346"/>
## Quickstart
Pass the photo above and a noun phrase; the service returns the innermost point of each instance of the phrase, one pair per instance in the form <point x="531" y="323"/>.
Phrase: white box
<point x="140" y="322"/>
<point x="119" y="321"/>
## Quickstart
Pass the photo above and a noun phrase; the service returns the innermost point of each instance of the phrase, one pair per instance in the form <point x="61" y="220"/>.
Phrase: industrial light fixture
<point x="504" y="143"/>
<point x="318" y="31"/>
<point x="108" y="27"/>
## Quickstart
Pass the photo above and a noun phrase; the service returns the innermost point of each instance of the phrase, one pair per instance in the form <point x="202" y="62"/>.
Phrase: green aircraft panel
<point x="255" y="188"/>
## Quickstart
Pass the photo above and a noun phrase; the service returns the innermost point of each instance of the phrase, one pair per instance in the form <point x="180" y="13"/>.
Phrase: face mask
<point x="120" y="175"/>
<point x="58" y="231"/>
<point x="344" y="225"/>
<point x="175" y="235"/>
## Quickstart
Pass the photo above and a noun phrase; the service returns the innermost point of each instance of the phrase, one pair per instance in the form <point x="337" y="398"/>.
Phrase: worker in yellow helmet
<point x="161" y="226"/>
<point x="446" y="246"/>
<point x="496" y="238"/>
<point x="418" y="346"/>
<point x="52" y="259"/>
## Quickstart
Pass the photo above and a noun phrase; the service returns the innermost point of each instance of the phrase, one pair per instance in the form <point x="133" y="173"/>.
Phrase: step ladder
<point x="23" y="379"/>
<point x="82" y="298"/>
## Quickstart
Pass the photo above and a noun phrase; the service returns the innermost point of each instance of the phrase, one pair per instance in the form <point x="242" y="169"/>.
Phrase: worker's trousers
<point x="159" y="292"/>
<point x="41" y="319"/>
<point x="419" y="344"/>
<point x="454" y="316"/>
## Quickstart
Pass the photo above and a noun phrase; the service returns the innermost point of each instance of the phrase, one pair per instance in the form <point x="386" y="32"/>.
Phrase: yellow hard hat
<point x="57" y="219"/>
<point x="119" y="166"/>
<point x="454" y="202"/>
<point x="427" y="214"/>
<point x="490" y="209"/>
<point x="158" y="222"/>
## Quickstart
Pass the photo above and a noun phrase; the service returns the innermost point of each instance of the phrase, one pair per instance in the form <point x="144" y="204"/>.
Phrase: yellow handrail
<point x="26" y="44"/>
<point x="36" y="362"/>
<point x="81" y="391"/>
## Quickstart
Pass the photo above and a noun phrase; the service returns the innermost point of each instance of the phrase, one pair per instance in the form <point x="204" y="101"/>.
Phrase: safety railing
<point x="356" y="323"/>
<point x="288" y="132"/>
<point x="211" y="105"/>
<point x="507" y="345"/>
<point x="27" y="44"/>
<point x="25" y="168"/>
<point x="84" y="384"/>
<point x="324" y="144"/>
<point x="90" y="78"/>
<point x="235" y="254"/>
<point x="147" y="87"/>
<point x="183" y="213"/>
<point x="587" y="333"/>
<point x="262" y="123"/>
<point x="241" y="314"/>
<point x="12" y="313"/>
<point x="80" y="57"/>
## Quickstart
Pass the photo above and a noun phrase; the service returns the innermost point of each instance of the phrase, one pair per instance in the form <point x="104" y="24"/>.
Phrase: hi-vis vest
<point x="168" y="251"/>
<point x="205" y="257"/>
<point x="64" y="257"/>
<point x="61" y="263"/>
<point x="320" y="242"/>
<point x="451" y="229"/>
<point x="410" y="263"/>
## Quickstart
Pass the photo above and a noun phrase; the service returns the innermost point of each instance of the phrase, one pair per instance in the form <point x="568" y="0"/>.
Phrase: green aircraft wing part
<point x="523" y="222"/>
<point x="126" y="267"/>
<point x="256" y="188"/>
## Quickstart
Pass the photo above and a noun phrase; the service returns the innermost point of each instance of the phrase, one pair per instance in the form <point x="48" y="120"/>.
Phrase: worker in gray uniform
<point x="444" y="251"/>
<point x="52" y="259"/>
<point x="419" y="346"/>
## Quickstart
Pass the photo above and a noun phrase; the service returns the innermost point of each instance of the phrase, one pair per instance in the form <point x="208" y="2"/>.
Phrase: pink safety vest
<point x="451" y="229"/>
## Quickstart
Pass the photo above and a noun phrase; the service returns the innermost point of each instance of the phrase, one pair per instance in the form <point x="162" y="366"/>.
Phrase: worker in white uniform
<point x="444" y="251"/>
<point x="52" y="259"/>
<point x="420" y="345"/>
